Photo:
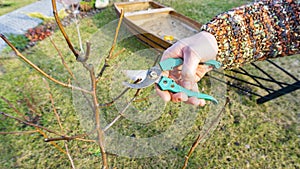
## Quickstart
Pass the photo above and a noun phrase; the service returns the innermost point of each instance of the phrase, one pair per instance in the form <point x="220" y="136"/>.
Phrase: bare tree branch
<point x="100" y="133"/>
<point x="85" y="57"/>
<point x="55" y="13"/>
<point x="76" y="137"/>
<point x="53" y="143"/>
<point x="118" y="53"/>
<point x="115" y="99"/>
<point x="69" y="155"/>
<point x="110" y="55"/>
<point x="200" y="136"/>
<point x="14" y="108"/>
<point x="30" y="124"/>
<point x="32" y="107"/>
<point x="123" y="111"/>
<point x="62" y="58"/>
<point x="40" y="70"/>
<point x="53" y="106"/>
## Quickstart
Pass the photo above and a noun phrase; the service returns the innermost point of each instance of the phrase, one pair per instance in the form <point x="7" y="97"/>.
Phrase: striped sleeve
<point x="256" y="31"/>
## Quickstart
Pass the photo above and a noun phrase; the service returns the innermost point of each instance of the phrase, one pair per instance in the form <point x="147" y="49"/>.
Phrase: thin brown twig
<point x="53" y="106"/>
<point x="19" y="132"/>
<point x="66" y="138"/>
<point x="76" y="137"/>
<point x="86" y="140"/>
<point x="107" y="64"/>
<point x="118" y="97"/>
<point x="116" y="35"/>
<point x="38" y="69"/>
<point x="110" y="55"/>
<point x="115" y="99"/>
<point x="145" y="98"/>
<point x="14" y="108"/>
<point x="201" y="136"/>
<point x="118" y="53"/>
<point x="32" y="108"/>
<point x="30" y="124"/>
<point x="59" y="139"/>
<point x="69" y="155"/>
<point x="62" y="58"/>
<point x="121" y="114"/>
<point x="55" y="13"/>
<point x="53" y="143"/>
<point x="156" y="60"/>
<point x="116" y="118"/>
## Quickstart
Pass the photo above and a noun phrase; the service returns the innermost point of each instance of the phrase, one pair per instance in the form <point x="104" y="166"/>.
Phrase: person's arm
<point x="242" y="35"/>
<point x="257" y="31"/>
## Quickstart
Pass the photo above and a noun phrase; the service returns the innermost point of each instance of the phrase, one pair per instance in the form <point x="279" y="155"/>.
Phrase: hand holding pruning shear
<point x="179" y="83"/>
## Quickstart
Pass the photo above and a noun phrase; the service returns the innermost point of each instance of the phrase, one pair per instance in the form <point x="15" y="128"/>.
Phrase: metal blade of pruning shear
<point x="136" y="74"/>
<point x="152" y="76"/>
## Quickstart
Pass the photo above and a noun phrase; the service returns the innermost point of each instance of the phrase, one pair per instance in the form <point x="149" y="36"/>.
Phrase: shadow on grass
<point x="5" y="5"/>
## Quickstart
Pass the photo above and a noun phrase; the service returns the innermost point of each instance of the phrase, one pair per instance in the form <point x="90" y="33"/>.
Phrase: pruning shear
<point x="154" y="75"/>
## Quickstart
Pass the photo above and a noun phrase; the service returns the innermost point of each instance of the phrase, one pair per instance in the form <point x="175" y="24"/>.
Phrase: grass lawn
<point x="248" y="135"/>
<point x="7" y="6"/>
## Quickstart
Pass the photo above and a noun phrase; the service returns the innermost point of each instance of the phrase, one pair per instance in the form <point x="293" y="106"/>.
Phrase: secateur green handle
<point x="170" y="63"/>
<point x="166" y="83"/>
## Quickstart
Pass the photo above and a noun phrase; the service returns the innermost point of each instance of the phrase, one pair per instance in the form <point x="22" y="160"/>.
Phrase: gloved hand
<point x="193" y="50"/>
